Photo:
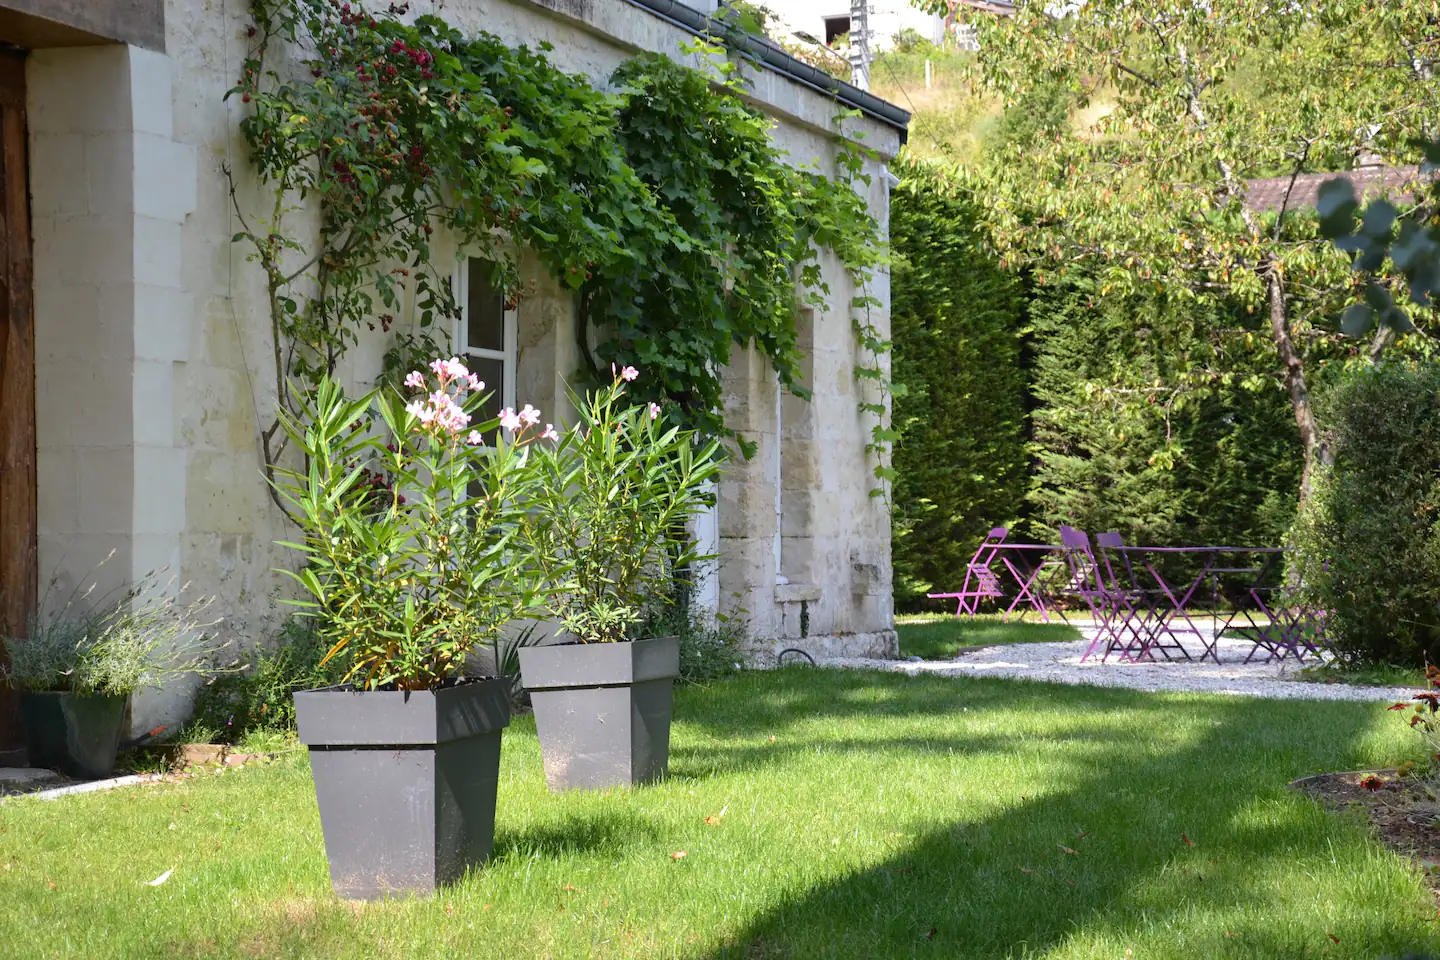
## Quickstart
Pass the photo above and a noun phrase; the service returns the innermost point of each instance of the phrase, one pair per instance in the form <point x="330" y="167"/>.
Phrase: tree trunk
<point x="1294" y="365"/>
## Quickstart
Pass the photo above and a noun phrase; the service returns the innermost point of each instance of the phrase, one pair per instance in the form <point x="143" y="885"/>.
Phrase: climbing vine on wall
<point x="663" y="205"/>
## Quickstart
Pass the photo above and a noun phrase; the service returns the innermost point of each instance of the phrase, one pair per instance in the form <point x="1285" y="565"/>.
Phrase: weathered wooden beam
<point x="18" y="519"/>
<point x="72" y="23"/>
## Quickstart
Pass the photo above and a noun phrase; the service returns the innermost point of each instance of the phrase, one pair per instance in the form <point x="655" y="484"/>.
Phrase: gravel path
<point x="1060" y="663"/>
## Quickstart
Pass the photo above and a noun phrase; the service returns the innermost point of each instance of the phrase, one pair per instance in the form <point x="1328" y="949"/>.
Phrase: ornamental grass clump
<point x="409" y="513"/>
<point x="613" y="500"/>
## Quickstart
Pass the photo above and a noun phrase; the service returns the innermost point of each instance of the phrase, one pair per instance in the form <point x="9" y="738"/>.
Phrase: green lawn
<point x="941" y="636"/>
<point x="855" y="815"/>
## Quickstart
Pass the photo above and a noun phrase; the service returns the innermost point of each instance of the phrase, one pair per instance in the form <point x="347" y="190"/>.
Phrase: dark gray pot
<point x="405" y="781"/>
<point x="75" y="734"/>
<point x="603" y="710"/>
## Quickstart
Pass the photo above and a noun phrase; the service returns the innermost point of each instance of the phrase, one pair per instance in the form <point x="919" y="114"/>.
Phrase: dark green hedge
<point x="1035" y="405"/>
<point x="956" y="324"/>
<point x="1368" y="540"/>
<point x="1143" y="424"/>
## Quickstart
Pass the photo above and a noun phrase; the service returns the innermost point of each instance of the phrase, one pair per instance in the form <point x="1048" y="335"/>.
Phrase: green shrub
<point x="260" y="698"/>
<point x="1368" y="539"/>
<point x="709" y="648"/>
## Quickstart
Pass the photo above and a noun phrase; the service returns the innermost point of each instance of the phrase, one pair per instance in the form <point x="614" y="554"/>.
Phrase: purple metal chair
<point x="1088" y="583"/>
<point x="981" y="583"/>
<point x="1136" y="621"/>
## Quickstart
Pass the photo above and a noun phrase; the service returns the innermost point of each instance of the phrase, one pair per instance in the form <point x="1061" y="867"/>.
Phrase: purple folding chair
<point x="1135" y="615"/>
<point x="1087" y="582"/>
<point x="981" y="583"/>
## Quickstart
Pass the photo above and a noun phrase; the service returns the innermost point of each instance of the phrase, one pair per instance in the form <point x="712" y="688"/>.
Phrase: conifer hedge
<point x="1033" y="404"/>
<point x="956" y="322"/>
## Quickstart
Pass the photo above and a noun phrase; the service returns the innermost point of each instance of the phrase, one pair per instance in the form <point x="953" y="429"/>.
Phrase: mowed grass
<point x="852" y="815"/>
<point x="942" y="636"/>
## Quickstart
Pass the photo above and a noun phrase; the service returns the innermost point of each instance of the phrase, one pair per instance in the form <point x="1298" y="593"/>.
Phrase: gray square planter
<point x="406" y="782"/>
<point x="76" y="734"/>
<point x="602" y="710"/>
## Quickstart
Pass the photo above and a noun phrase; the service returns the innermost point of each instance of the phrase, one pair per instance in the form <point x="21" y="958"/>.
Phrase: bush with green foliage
<point x="710" y="647"/>
<point x="260" y="699"/>
<point x="956" y="321"/>
<point x="1367" y="543"/>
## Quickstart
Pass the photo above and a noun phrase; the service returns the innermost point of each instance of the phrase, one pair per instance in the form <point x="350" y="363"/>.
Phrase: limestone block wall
<point x="155" y="353"/>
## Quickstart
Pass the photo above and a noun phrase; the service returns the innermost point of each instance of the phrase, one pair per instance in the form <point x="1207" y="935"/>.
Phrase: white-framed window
<point x="485" y="332"/>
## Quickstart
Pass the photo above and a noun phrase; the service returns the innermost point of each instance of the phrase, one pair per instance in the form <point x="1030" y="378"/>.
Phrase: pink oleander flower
<point x="510" y="420"/>
<point x="415" y="379"/>
<point x="475" y="382"/>
<point x="629" y="373"/>
<point x="448" y="370"/>
<point x="474" y="439"/>
<point x="530" y="415"/>
<point x="654" y="410"/>
<point x="549" y="433"/>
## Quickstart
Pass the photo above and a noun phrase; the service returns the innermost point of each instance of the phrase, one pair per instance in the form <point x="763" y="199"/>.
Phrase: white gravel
<point x="1060" y="663"/>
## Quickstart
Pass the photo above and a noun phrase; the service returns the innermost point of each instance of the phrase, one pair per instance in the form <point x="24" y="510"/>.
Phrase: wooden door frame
<point x="19" y="521"/>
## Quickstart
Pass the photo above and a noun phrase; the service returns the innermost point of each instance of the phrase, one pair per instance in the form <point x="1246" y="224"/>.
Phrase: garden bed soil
<point x="1404" y="811"/>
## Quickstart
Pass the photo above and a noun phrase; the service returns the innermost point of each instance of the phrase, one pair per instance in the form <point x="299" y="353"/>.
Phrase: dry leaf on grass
<point x="160" y="879"/>
<point x="678" y="855"/>
<point x="1188" y="841"/>
<point x="1073" y="853"/>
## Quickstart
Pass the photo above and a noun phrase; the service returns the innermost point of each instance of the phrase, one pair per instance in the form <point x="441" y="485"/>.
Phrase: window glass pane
<point x="485" y="311"/>
<point x="491" y="371"/>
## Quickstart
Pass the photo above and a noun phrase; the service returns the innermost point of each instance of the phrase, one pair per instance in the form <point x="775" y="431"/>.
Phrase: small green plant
<point x="711" y="647"/>
<point x="409" y="514"/>
<point x="115" y="644"/>
<point x="259" y="700"/>
<point x="613" y="499"/>
<point x="1425" y="720"/>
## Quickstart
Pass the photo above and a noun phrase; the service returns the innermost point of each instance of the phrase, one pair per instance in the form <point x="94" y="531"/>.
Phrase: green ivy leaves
<point x="665" y="205"/>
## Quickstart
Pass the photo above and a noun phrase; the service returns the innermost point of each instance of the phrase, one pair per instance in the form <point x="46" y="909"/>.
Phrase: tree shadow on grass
<point x="1188" y="842"/>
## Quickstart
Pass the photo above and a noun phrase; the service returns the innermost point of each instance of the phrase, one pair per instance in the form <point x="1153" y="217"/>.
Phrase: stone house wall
<point x="152" y="340"/>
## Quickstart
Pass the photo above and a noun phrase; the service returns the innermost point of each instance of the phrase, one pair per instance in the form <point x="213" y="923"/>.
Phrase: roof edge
<point x="769" y="55"/>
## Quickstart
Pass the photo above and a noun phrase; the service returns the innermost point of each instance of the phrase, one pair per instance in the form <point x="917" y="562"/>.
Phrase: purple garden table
<point x="1156" y="618"/>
